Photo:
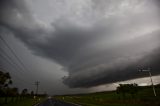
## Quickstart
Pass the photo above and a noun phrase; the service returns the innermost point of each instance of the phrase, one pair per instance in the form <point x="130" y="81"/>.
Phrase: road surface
<point x="53" y="102"/>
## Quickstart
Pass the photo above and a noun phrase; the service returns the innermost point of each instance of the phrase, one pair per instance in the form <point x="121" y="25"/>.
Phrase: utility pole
<point x="37" y="84"/>
<point x="150" y="75"/>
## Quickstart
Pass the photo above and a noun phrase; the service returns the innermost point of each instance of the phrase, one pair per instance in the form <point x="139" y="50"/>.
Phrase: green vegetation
<point x="12" y="97"/>
<point x="125" y="95"/>
<point x="24" y="102"/>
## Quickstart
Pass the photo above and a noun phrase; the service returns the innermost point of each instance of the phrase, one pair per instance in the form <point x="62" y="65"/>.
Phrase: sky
<point x="78" y="46"/>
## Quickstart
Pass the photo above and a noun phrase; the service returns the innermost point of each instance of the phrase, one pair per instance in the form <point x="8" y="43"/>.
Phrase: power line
<point x="12" y="65"/>
<point x="19" y="60"/>
<point x="7" y="60"/>
<point x="12" y="51"/>
<point x="17" y="77"/>
<point x="6" y="57"/>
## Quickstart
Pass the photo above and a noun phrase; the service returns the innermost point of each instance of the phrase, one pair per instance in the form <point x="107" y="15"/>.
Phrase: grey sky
<point x="73" y="46"/>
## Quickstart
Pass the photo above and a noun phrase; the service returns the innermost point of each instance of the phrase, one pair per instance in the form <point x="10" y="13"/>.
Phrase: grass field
<point x="144" y="97"/>
<point x="24" y="102"/>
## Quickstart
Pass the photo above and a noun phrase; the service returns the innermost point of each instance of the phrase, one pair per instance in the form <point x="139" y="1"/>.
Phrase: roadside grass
<point x="24" y="102"/>
<point x="144" y="97"/>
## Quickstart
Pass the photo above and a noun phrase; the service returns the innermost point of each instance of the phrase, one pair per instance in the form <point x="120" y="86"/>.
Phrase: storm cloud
<point x="96" y="41"/>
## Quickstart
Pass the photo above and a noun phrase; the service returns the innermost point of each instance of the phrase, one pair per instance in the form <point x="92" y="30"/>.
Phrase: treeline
<point x="134" y="89"/>
<point x="12" y="94"/>
<point x="131" y="89"/>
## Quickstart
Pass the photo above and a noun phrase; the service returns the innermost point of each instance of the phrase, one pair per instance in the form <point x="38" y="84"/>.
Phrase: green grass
<point x="24" y="102"/>
<point x="144" y="97"/>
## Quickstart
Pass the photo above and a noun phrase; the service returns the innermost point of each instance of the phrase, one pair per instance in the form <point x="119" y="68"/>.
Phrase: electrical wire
<point x="12" y="51"/>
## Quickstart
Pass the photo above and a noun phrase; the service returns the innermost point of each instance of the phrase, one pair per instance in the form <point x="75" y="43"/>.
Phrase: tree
<point x="122" y="89"/>
<point x="14" y="93"/>
<point x="32" y="93"/>
<point x="24" y="92"/>
<point x="127" y="88"/>
<point x="5" y="81"/>
<point x="133" y="89"/>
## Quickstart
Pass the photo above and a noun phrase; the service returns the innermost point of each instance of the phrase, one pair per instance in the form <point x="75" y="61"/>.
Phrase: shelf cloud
<point x="96" y="41"/>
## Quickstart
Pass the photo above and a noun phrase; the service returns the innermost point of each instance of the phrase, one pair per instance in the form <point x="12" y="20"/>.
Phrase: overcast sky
<point x="74" y="46"/>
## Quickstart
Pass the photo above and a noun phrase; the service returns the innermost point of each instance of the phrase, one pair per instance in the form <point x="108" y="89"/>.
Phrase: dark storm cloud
<point x="118" y="68"/>
<point x="104" y="52"/>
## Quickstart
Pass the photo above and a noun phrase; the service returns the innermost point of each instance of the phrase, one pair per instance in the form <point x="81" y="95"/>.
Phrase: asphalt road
<point x="53" y="102"/>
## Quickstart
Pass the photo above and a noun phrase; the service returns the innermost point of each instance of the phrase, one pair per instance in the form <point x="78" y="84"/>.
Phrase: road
<point x="53" y="102"/>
